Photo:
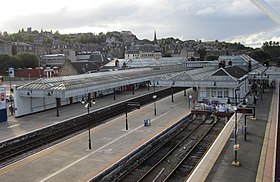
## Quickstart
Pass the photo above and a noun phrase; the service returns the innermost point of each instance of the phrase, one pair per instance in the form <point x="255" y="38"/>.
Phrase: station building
<point x="216" y="81"/>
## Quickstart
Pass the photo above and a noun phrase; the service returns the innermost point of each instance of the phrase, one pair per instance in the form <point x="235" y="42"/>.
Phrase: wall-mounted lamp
<point x="29" y="92"/>
<point x="83" y="100"/>
<point x="50" y="93"/>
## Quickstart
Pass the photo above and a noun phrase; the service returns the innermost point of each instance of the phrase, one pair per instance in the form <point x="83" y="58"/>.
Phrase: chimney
<point x="117" y="63"/>
<point x="222" y="64"/>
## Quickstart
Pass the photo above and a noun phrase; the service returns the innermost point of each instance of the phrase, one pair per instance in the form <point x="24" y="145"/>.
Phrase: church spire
<point x="155" y="37"/>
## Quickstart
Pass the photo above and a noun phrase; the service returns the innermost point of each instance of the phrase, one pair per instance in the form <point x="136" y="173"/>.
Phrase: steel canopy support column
<point x="57" y="106"/>
<point x="132" y="89"/>
<point x="185" y="92"/>
<point x="114" y="93"/>
<point x="89" y="137"/>
<point x="31" y="107"/>
<point x="245" y="128"/>
<point x="172" y="97"/>
<point x="148" y="85"/>
<point x="126" y="122"/>
<point x="88" y="98"/>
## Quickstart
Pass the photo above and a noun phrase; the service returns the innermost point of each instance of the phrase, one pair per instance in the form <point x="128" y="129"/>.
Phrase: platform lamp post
<point x="131" y="105"/>
<point x="229" y="106"/>
<point x="236" y="146"/>
<point x="155" y="109"/>
<point x="88" y="103"/>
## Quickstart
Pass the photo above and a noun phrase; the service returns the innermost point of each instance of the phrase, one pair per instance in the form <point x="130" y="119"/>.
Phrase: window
<point x="207" y="92"/>
<point x="213" y="93"/>
<point x="220" y="94"/>
<point x="225" y="93"/>
<point x="202" y="93"/>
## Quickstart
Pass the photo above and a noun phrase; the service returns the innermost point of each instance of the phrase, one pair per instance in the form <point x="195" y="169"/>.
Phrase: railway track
<point x="164" y="164"/>
<point x="188" y="164"/>
<point x="20" y="147"/>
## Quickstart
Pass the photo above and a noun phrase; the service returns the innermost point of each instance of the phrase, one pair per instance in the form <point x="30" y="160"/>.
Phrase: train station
<point x="125" y="113"/>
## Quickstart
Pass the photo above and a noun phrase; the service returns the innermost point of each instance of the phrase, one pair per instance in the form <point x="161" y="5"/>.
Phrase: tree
<point x="47" y="40"/>
<point x="88" y="38"/>
<point x="260" y="55"/>
<point x="7" y="61"/>
<point x="28" y="60"/>
<point x="17" y="37"/>
<point x="27" y="38"/>
<point x="56" y="35"/>
<point x="101" y="37"/>
<point x="5" y="34"/>
<point x="211" y="58"/>
<point x="202" y="52"/>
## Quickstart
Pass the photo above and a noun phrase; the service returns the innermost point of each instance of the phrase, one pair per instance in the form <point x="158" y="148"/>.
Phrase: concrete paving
<point x="250" y="150"/>
<point x="18" y="126"/>
<point x="72" y="161"/>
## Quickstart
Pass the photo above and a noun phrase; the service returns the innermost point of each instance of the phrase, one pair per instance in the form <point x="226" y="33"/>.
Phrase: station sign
<point x="134" y="104"/>
<point x="11" y="72"/>
<point x="236" y="147"/>
<point x="245" y="110"/>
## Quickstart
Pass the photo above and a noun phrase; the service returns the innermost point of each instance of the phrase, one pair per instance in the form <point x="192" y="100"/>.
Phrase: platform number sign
<point x="11" y="72"/>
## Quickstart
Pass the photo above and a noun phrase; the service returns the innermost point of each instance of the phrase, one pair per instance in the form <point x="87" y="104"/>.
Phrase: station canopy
<point x="139" y="63"/>
<point x="69" y="86"/>
<point x="190" y="78"/>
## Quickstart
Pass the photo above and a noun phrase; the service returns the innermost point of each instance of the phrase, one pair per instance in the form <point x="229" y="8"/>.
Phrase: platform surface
<point x="21" y="125"/>
<point x="250" y="155"/>
<point x="73" y="161"/>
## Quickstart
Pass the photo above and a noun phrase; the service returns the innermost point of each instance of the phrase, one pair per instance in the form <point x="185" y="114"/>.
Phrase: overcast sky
<point x="223" y="20"/>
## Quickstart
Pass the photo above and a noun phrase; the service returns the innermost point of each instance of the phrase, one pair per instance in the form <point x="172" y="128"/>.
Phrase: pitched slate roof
<point x="83" y="67"/>
<point x="233" y="71"/>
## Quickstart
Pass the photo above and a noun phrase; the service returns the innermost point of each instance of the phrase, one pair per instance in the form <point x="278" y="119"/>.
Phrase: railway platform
<point x="22" y="125"/>
<point x="255" y="155"/>
<point x="71" y="160"/>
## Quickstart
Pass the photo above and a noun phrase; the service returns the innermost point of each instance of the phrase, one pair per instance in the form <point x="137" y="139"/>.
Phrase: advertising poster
<point x="3" y="110"/>
<point x="2" y="98"/>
